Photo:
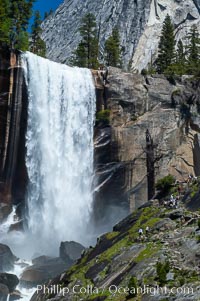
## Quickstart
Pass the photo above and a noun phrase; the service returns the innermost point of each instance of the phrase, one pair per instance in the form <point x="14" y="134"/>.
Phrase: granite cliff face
<point x="139" y="23"/>
<point x="60" y="30"/>
<point x="184" y="14"/>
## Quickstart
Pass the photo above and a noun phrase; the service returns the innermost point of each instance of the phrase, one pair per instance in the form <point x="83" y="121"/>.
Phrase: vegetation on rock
<point x="86" y="54"/>
<point x="5" y="22"/>
<point x="103" y="116"/>
<point x="166" y="46"/>
<point x="14" y="21"/>
<point x="162" y="269"/>
<point x="165" y="184"/>
<point x="132" y="287"/>
<point x="37" y="44"/>
<point x="112" y="49"/>
<point x="173" y="57"/>
<point x="127" y="260"/>
<point x="193" y="51"/>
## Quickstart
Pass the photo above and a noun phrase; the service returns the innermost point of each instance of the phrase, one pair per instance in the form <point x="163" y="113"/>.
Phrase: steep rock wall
<point x="12" y="129"/>
<point x="138" y="104"/>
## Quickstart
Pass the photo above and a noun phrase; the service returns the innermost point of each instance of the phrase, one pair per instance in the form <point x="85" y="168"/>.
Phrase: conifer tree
<point x="166" y="46"/>
<point x="180" y="55"/>
<point x="37" y="44"/>
<point x="86" y="54"/>
<point x="133" y="288"/>
<point x="47" y="14"/>
<point x="179" y="66"/>
<point x="112" y="49"/>
<point x="5" y="21"/>
<point x="80" y="55"/>
<point x="193" y="50"/>
<point x="20" y="13"/>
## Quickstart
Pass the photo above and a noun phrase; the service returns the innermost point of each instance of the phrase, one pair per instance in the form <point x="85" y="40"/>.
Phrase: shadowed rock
<point x="70" y="250"/>
<point x="4" y="291"/>
<point x="43" y="269"/>
<point x="7" y="259"/>
<point x="10" y="280"/>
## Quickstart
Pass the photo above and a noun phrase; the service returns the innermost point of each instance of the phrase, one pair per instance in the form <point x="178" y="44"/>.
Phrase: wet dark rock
<point x="19" y="226"/>
<point x="43" y="269"/>
<point x="95" y="269"/>
<point x="41" y="260"/>
<point x="193" y="204"/>
<point x="5" y="210"/>
<point x="7" y="259"/>
<point x="101" y="298"/>
<point x="16" y="295"/>
<point x="102" y="245"/>
<point x="4" y="291"/>
<point x="127" y="223"/>
<point x="176" y="214"/>
<point x="10" y="280"/>
<point x="70" y="250"/>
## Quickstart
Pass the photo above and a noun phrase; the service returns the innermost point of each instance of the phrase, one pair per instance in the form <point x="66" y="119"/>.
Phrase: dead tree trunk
<point x="150" y="165"/>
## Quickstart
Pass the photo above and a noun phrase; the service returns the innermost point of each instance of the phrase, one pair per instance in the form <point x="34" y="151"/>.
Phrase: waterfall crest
<point x="59" y="142"/>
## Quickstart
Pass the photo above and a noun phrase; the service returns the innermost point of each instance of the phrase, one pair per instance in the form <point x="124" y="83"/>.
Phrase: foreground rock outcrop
<point x="44" y="268"/>
<point x="172" y="242"/>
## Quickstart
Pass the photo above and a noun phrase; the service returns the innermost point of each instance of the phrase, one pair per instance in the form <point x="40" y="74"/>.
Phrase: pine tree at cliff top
<point x="37" y="44"/>
<point x="193" y="50"/>
<point x="5" y="22"/>
<point x="180" y="54"/>
<point x="166" y="46"/>
<point x="179" y="67"/>
<point x="112" y="49"/>
<point x="20" y="13"/>
<point x="86" y="54"/>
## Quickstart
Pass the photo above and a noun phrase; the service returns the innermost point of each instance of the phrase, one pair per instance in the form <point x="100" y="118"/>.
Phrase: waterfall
<point x="59" y="159"/>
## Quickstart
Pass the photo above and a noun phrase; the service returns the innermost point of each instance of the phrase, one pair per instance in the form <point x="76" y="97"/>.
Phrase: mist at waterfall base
<point x="59" y="161"/>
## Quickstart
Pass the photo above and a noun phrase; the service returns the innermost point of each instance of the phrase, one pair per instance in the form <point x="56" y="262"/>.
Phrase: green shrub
<point x="167" y="266"/>
<point x="182" y="281"/>
<point x="199" y="223"/>
<point x="194" y="190"/>
<point x="164" y="185"/>
<point x="133" y="285"/>
<point x="144" y="72"/>
<point x="162" y="269"/>
<point x="103" y="116"/>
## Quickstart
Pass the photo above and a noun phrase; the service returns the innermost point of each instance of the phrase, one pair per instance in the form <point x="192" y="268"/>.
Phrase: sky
<point x="45" y="5"/>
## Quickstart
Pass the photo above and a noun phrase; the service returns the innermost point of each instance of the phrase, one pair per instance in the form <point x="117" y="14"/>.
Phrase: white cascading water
<point x="59" y="160"/>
